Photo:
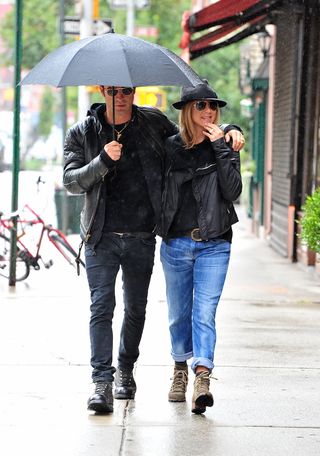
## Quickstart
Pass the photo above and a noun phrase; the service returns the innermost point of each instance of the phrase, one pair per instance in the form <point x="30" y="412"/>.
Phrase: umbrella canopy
<point x="114" y="60"/>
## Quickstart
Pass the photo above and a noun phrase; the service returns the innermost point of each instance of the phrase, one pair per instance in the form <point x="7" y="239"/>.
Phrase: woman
<point x="202" y="178"/>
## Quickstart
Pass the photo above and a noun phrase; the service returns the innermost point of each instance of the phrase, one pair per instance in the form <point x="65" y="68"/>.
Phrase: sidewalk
<point x="267" y="368"/>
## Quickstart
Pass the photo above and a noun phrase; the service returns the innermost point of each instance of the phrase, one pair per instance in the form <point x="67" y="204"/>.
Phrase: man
<point x="121" y="179"/>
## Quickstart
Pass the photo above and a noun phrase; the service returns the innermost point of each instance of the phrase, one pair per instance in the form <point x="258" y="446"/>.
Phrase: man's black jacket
<point x="85" y="170"/>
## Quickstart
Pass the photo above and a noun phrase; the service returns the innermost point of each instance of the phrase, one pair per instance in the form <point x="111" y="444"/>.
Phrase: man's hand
<point x="237" y="139"/>
<point x="113" y="149"/>
<point x="213" y="131"/>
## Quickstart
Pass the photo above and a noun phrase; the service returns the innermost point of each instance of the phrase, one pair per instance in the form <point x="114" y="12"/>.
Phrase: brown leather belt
<point x="193" y="234"/>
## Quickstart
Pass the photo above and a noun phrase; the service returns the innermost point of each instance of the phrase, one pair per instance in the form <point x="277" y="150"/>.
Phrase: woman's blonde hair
<point x="187" y="128"/>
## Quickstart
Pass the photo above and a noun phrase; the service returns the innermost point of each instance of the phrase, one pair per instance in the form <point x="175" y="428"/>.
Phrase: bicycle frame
<point x="54" y="235"/>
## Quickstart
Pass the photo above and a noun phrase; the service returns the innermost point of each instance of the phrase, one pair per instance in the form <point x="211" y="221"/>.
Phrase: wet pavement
<point x="267" y="367"/>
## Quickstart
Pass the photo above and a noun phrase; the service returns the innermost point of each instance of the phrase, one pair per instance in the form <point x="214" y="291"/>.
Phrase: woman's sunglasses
<point x="202" y="105"/>
<point x="125" y="91"/>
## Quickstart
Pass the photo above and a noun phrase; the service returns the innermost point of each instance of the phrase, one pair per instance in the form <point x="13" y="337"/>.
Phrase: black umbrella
<point x="114" y="60"/>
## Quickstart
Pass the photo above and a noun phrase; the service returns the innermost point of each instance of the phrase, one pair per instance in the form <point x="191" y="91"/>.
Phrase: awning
<point x="219" y="13"/>
<point x="229" y="21"/>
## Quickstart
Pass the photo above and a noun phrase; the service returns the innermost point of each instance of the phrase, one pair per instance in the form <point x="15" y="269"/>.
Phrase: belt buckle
<point x="195" y="235"/>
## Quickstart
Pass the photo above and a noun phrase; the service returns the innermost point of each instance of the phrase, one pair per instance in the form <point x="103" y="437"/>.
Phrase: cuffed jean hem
<point x="103" y="376"/>
<point x="181" y="358"/>
<point x="205" y="362"/>
<point x="102" y="379"/>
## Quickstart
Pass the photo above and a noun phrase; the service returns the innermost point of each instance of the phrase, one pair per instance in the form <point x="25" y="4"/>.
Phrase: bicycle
<point x="25" y="260"/>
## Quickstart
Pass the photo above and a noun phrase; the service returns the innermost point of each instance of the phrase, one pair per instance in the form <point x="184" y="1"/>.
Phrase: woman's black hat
<point x="199" y="92"/>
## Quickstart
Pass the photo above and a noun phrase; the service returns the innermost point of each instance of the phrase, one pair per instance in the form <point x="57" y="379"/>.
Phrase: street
<point x="267" y="367"/>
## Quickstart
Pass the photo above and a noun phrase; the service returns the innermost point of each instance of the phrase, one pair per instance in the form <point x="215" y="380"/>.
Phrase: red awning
<point x="219" y="12"/>
<point x="216" y="35"/>
<point x="229" y="21"/>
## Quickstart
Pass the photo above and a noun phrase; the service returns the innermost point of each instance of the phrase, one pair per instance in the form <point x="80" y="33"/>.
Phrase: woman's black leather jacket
<point x="85" y="171"/>
<point x="214" y="187"/>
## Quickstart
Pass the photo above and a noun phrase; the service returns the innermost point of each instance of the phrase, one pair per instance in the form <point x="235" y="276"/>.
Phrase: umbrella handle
<point x="113" y="116"/>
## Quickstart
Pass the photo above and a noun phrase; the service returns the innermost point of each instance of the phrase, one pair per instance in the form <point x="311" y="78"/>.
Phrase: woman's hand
<point x="213" y="132"/>
<point x="113" y="149"/>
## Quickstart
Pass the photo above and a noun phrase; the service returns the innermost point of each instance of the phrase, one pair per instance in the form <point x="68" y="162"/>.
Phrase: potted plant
<point x="310" y="222"/>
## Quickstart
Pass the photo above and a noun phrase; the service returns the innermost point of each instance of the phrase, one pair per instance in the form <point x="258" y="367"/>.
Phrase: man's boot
<point x="101" y="401"/>
<point x="125" y="386"/>
<point x="178" y="388"/>
<point x="202" y="397"/>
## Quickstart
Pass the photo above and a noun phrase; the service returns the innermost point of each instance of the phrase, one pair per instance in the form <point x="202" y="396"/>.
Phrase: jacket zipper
<point x="88" y="234"/>
<point x="164" y="199"/>
<point x="206" y="167"/>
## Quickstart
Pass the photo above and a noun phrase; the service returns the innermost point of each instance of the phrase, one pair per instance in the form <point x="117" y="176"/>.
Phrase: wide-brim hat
<point x="199" y="92"/>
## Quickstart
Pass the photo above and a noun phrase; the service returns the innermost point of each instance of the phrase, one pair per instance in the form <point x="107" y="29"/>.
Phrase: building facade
<point x="285" y="92"/>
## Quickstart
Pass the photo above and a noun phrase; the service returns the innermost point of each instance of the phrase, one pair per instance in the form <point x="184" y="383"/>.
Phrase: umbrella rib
<point x="171" y="55"/>
<point x="90" y="39"/>
<point x="128" y="69"/>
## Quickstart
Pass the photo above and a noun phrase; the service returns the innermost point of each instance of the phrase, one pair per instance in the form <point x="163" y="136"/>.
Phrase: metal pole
<point x="130" y="17"/>
<point x="64" y="200"/>
<point x="63" y="89"/>
<point x="16" y="141"/>
<point x="85" y="30"/>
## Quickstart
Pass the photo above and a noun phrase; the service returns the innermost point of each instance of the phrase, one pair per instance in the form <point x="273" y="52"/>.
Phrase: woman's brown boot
<point x="178" y="388"/>
<point x="202" y="397"/>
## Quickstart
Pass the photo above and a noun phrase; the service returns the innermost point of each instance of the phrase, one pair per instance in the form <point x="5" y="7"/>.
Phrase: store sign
<point x="139" y="4"/>
<point x="71" y="26"/>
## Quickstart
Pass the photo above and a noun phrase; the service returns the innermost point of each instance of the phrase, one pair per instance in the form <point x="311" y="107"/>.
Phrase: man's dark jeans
<point x="135" y="256"/>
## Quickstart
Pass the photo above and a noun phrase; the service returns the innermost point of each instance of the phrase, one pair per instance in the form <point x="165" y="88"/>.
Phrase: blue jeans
<point x="135" y="256"/>
<point x="195" y="273"/>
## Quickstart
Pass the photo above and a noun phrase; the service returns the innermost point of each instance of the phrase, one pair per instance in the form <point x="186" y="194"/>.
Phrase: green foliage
<point x="118" y="16"/>
<point x="40" y="31"/>
<point x="167" y="19"/>
<point x="72" y="100"/>
<point x="310" y="222"/>
<point x="41" y="35"/>
<point x="247" y="164"/>
<point x="46" y="113"/>
<point x="34" y="164"/>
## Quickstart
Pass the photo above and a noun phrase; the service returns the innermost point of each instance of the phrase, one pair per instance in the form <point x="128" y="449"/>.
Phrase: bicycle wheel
<point x="22" y="264"/>
<point x="65" y="248"/>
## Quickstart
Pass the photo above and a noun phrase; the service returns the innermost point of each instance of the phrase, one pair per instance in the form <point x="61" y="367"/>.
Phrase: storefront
<point x="286" y="98"/>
